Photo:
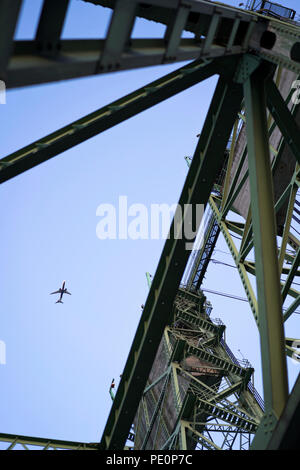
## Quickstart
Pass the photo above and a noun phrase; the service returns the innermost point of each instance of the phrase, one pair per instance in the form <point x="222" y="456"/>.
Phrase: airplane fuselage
<point x="63" y="290"/>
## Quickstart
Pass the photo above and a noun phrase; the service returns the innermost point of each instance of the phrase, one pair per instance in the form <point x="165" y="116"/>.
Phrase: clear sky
<point x="61" y="358"/>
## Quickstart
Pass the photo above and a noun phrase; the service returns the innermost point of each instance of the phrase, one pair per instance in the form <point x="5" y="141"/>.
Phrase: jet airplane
<point x="63" y="290"/>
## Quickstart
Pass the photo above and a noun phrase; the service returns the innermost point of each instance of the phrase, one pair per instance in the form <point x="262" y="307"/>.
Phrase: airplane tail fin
<point x="59" y="302"/>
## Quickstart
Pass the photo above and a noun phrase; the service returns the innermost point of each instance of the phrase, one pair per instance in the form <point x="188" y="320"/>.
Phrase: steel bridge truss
<point x="202" y="399"/>
<point x="218" y="31"/>
<point x="13" y="442"/>
<point x="243" y="49"/>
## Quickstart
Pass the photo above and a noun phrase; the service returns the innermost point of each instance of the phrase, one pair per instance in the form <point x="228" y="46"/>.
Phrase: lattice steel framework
<point x="198" y="396"/>
<point x="251" y="53"/>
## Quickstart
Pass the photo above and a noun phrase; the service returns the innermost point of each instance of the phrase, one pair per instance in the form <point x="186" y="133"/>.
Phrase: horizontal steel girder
<point x="274" y="40"/>
<point x="44" y="443"/>
<point x="80" y="58"/>
<point x="49" y="58"/>
<point x="219" y="30"/>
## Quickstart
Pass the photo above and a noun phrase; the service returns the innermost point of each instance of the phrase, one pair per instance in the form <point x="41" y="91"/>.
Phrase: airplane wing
<point x="56" y="292"/>
<point x="67" y="292"/>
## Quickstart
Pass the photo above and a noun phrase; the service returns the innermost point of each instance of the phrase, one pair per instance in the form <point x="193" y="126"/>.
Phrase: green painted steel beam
<point x="48" y="58"/>
<point x="118" y="36"/>
<point x="205" y="442"/>
<point x="235" y="254"/>
<point x="267" y="272"/>
<point x="158" y="309"/>
<point x="178" y="350"/>
<point x="225" y="188"/>
<point x="9" y="12"/>
<point x="284" y="118"/>
<point x="107" y="117"/>
<point x="237" y="191"/>
<point x="157" y="409"/>
<point x="250" y="267"/>
<point x="290" y="310"/>
<point x="15" y="439"/>
<point x="160" y="11"/>
<point x="246" y="238"/>
<point x="233" y="388"/>
<point x="273" y="40"/>
<point x="50" y="26"/>
<point x="227" y="415"/>
<point x="247" y="241"/>
<point x="236" y="379"/>
<point x="235" y="227"/>
<point x="195" y="320"/>
<point x="292" y="292"/>
<point x="174" y="31"/>
<point x="287" y="227"/>
<point x="225" y="364"/>
<point x="219" y="30"/>
<point x="280" y="45"/>
<point x="197" y="298"/>
<point x="231" y="193"/>
<point x="149" y="387"/>
<point x="183" y="443"/>
<point x="219" y="427"/>
<point x="79" y="58"/>
<point x="286" y="434"/>
<point x="291" y="274"/>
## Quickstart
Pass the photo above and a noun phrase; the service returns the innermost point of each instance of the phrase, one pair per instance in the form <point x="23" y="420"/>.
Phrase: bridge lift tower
<point x="182" y="388"/>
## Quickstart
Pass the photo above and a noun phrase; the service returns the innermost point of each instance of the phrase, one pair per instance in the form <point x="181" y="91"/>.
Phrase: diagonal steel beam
<point x="157" y="312"/>
<point x="157" y="409"/>
<point x="284" y="118"/>
<point x="291" y="309"/>
<point x="107" y="117"/>
<point x="235" y="254"/>
<point x="289" y="279"/>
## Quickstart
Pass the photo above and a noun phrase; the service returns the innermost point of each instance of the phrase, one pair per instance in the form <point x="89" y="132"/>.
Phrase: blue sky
<point x="61" y="358"/>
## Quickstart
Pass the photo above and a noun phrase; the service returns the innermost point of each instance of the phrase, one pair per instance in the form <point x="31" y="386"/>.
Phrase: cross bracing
<point x="200" y="383"/>
<point x="255" y="57"/>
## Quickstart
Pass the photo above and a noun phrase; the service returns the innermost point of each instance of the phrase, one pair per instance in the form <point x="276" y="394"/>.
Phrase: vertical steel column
<point x="266" y="262"/>
<point x="9" y="13"/>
